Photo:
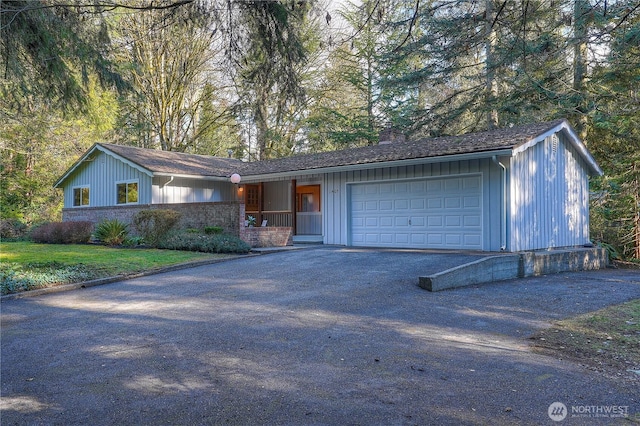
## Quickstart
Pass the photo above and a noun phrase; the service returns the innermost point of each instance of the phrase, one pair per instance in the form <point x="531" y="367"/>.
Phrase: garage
<point x="444" y="213"/>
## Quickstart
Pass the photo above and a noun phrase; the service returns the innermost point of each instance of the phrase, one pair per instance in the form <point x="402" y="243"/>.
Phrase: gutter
<point x="379" y="164"/>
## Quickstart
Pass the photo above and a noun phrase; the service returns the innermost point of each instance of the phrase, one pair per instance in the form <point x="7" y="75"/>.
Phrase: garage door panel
<point x="471" y="201"/>
<point x="371" y="189"/>
<point x="428" y="213"/>
<point x="435" y="221"/>
<point x="386" y="221"/>
<point x="371" y="205"/>
<point x="371" y="222"/>
<point x="418" y="221"/>
<point x="472" y="240"/>
<point x="386" y="238"/>
<point x="472" y="221"/>
<point x="453" y="221"/>
<point x="401" y="238"/>
<point x="435" y="239"/>
<point x="402" y="204"/>
<point x="452" y="185"/>
<point x="386" y="205"/>
<point x="401" y="221"/>
<point x="472" y="183"/>
<point x="417" y="186"/>
<point x="417" y="204"/>
<point x="386" y="188"/>
<point x="418" y="239"/>
<point x="357" y="206"/>
<point x="434" y="186"/>
<point x="401" y="188"/>
<point x="434" y="203"/>
<point x="452" y="203"/>
<point x="454" y="240"/>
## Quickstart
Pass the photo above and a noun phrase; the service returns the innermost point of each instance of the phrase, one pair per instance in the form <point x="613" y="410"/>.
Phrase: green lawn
<point x="25" y="265"/>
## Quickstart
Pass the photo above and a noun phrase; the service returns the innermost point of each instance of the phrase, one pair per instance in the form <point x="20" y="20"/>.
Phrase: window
<point x="127" y="192"/>
<point x="81" y="196"/>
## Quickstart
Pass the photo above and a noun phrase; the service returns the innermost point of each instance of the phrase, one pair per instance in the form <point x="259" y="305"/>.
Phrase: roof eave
<point x="105" y="150"/>
<point x="194" y="177"/>
<point x="378" y="164"/>
<point x="75" y="165"/>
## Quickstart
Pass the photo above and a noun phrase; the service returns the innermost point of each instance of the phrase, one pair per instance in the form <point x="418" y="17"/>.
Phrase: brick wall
<point x="228" y="215"/>
<point x="268" y="236"/>
<point x="192" y="215"/>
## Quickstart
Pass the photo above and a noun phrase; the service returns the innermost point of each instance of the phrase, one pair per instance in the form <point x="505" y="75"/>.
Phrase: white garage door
<point x="425" y="213"/>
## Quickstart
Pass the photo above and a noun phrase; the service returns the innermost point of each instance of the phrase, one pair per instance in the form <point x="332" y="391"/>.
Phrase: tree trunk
<point x="580" y="12"/>
<point x="260" y="117"/>
<point x="491" y="84"/>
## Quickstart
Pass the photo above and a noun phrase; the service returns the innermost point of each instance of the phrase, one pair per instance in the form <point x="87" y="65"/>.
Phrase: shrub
<point x="12" y="229"/>
<point x="213" y="229"/>
<point x="133" y="242"/>
<point x="112" y="232"/>
<point x="155" y="224"/>
<point x="77" y="232"/>
<point x="209" y="243"/>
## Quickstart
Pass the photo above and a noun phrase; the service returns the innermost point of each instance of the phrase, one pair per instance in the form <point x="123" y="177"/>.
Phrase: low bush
<point x="112" y="232"/>
<point x="153" y="225"/>
<point x="12" y="229"/>
<point x="77" y="232"/>
<point x="213" y="229"/>
<point x="208" y="243"/>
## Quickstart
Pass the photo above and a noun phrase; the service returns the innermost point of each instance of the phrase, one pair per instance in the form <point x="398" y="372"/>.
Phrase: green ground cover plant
<point x="26" y="265"/>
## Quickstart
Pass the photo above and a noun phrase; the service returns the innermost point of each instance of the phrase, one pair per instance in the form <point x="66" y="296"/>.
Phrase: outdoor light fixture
<point x="235" y="178"/>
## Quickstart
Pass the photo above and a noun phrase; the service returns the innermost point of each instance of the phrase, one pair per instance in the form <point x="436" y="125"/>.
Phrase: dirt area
<point x="607" y="340"/>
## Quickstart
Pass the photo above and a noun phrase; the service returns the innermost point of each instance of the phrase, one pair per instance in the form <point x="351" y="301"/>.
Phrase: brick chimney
<point x="391" y="135"/>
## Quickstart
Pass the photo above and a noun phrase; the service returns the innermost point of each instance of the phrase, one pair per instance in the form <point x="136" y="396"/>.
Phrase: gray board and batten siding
<point x="175" y="190"/>
<point x="101" y="173"/>
<point x="549" y="196"/>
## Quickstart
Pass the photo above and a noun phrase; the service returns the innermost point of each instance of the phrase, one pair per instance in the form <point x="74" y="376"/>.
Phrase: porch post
<point x="293" y="207"/>
<point x="260" y="203"/>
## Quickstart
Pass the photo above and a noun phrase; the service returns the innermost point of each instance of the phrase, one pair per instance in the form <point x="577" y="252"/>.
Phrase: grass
<point x="607" y="340"/>
<point x="25" y="265"/>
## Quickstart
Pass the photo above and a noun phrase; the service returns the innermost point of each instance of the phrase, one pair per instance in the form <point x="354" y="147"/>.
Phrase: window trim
<point x="127" y="183"/>
<point x="73" y="196"/>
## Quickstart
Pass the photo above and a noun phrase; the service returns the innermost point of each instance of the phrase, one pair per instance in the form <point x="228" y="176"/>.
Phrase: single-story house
<point x="514" y="189"/>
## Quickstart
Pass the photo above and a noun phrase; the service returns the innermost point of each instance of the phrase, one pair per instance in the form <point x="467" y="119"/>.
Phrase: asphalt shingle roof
<point x="200" y="165"/>
<point x="424" y="148"/>
<point x="170" y="162"/>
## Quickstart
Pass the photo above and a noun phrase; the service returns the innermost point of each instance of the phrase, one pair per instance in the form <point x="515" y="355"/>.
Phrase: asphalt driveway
<point x="322" y="336"/>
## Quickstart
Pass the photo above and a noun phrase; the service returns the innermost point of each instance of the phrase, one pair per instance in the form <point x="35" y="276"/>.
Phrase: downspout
<point x="167" y="182"/>
<point x="164" y="196"/>
<point x="503" y="224"/>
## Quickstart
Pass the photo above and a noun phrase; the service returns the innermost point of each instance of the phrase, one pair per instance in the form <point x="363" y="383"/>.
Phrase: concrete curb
<point x="517" y="265"/>
<point x="109" y="280"/>
<point x="488" y="269"/>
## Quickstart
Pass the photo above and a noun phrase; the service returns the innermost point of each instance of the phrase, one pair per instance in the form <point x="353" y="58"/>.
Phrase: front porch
<point x="284" y="204"/>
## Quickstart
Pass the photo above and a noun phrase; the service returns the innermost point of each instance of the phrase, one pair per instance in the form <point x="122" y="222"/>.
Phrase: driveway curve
<point x="321" y="336"/>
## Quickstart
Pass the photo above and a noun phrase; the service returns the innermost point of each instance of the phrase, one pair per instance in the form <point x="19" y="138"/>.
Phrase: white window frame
<point x="127" y="182"/>
<point x="73" y="196"/>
